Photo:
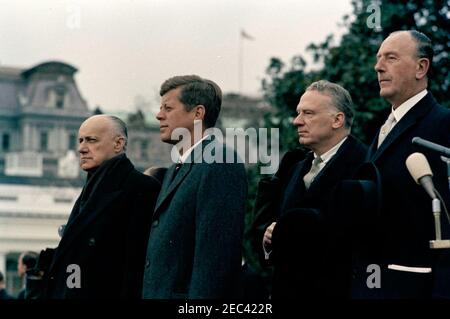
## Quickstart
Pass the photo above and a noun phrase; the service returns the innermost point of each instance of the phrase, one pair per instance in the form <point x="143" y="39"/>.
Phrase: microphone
<point x="420" y="170"/>
<point x="445" y="151"/>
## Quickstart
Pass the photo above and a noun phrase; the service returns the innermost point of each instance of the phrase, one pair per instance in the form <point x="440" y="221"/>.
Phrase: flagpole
<point x="240" y="62"/>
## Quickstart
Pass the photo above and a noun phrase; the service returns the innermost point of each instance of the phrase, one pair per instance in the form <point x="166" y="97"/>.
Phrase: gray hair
<point x="120" y="129"/>
<point x="340" y="97"/>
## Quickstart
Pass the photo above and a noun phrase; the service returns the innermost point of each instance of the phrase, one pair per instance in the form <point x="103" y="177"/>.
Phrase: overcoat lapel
<point x="411" y="118"/>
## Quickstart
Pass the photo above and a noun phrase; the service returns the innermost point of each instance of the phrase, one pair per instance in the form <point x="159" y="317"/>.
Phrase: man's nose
<point x="379" y="66"/>
<point x="82" y="148"/>
<point x="298" y="120"/>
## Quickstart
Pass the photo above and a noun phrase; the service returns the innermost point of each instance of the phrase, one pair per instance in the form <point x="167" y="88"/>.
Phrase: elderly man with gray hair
<point x="292" y="207"/>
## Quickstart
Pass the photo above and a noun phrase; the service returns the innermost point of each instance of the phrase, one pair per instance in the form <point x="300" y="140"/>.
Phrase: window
<point x="59" y="97"/>
<point x="72" y="142"/>
<point x="44" y="141"/>
<point x="5" y="142"/>
<point x="59" y="100"/>
<point x="13" y="281"/>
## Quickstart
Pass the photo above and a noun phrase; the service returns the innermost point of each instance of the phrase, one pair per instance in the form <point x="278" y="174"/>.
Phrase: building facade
<point x="41" y="109"/>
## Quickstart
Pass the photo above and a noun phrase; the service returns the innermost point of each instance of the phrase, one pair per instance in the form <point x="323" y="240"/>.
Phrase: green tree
<point x="351" y="64"/>
<point x="351" y="61"/>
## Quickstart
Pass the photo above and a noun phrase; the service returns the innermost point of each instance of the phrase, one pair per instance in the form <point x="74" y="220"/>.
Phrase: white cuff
<point x="423" y="270"/>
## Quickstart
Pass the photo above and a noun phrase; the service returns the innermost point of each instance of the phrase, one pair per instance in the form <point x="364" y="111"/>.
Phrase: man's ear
<point x="119" y="144"/>
<point x="199" y="112"/>
<point x="423" y="64"/>
<point x="339" y="119"/>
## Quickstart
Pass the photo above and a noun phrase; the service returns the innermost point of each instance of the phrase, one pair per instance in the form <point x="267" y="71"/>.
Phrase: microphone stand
<point x="447" y="160"/>
<point x="436" y="206"/>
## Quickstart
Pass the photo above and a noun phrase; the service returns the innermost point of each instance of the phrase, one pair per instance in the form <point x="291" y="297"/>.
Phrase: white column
<point x="26" y="138"/>
<point x="3" y="263"/>
<point x="35" y="138"/>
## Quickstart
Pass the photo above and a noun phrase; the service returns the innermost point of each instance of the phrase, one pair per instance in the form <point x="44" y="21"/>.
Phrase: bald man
<point x="102" y="250"/>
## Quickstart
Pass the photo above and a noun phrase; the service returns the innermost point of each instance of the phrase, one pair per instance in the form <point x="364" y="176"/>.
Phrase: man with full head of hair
<point x="102" y="250"/>
<point x="26" y="261"/>
<point x="409" y="268"/>
<point x="293" y="222"/>
<point x="194" y="249"/>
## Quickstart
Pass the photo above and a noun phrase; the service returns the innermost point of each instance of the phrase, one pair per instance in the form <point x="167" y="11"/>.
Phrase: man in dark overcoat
<point x="102" y="250"/>
<point x="297" y="231"/>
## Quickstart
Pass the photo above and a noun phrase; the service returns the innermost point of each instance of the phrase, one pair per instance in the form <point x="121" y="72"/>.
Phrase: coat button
<point x="155" y="223"/>
<point x="147" y="263"/>
<point x="91" y="242"/>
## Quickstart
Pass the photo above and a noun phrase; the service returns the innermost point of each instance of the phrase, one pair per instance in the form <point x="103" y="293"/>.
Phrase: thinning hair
<point x="424" y="48"/>
<point x="340" y="98"/>
<point x="120" y="129"/>
<point x="196" y="91"/>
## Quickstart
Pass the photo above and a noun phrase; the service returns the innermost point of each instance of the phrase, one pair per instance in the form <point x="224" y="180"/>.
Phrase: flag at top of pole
<point x="243" y="36"/>
<point x="246" y="36"/>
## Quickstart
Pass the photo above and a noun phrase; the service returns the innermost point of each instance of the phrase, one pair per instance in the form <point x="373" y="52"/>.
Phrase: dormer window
<point x="60" y="94"/>
<point x="57" y="96"/>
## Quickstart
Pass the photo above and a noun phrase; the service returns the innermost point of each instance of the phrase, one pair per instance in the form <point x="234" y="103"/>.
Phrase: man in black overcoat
<point x="409" y="268"/>
<point x="102" y="250"/>
<point x="299" y="234"/>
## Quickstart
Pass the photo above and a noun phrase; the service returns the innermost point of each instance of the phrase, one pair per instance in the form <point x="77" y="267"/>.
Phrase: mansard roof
<point x="50" y="67"/>
<point x="29" y="90"/>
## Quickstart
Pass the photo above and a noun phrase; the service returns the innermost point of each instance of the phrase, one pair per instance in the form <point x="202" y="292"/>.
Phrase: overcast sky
<point x="125" y="48"/>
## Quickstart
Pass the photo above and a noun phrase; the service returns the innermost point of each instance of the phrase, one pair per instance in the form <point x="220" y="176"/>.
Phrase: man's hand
<point x="267" y="239"/>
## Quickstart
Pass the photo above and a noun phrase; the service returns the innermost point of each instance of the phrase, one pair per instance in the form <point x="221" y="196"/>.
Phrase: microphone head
<point x="418" y="166"/>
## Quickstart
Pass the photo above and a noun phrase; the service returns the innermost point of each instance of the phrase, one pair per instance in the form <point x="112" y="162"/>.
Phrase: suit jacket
<point x="406" y="224"/>
<point x="195" y="245"/>
<point x="308" y="258"/>
<point x="106" y="237"/>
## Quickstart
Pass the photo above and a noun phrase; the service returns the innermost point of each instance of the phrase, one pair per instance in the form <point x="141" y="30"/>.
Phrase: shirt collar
<point x="182" y="158"/>
<point x="331" y="152"/>
<point x="403" y="108"/>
